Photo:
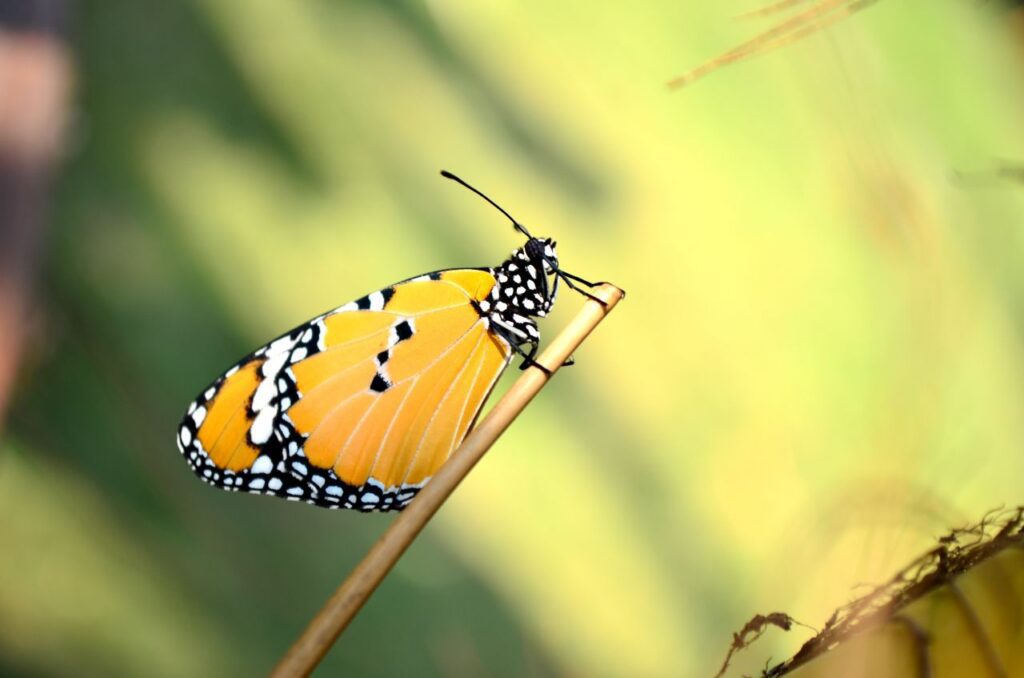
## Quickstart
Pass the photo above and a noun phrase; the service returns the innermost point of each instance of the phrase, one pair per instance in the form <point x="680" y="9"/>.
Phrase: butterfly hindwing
<point x="358" y="407"/>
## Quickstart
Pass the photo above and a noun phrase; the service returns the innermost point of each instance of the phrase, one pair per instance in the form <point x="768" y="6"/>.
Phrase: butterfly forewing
<point x="357" y="408"/>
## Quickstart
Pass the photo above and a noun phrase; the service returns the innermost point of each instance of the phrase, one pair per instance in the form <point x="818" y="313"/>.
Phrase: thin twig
<point x="346" y="601"/>
<point x="798" y="26"/>
<point x="808" y="29"/>
<point x="752" y="631"/>
<point x="773" y="8"/>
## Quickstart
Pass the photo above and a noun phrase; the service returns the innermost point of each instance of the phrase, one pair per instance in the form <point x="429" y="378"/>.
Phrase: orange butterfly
<point x="359" y="407"/>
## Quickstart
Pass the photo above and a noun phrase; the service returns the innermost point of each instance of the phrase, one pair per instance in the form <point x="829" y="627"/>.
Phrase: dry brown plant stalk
<point x="956" y="554"/>
<point x="339" y="610"/>
<point x="753" y="630"/>
<point x="822" y="14"/>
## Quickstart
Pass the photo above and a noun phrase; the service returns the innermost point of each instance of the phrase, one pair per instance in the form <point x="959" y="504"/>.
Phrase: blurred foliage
<point x="818" y="367"/>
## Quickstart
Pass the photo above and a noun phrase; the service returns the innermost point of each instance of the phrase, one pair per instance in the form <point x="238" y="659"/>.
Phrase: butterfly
<point x="358" y="407"/>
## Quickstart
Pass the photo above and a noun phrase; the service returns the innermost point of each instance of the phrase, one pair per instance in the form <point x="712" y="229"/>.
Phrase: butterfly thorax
<point x="522" y="291"/>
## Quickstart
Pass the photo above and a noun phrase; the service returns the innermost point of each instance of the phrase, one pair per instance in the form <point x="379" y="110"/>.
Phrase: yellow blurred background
<point x="816" y="372"/>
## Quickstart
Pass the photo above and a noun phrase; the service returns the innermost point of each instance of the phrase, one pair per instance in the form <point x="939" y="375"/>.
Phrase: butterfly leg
<point x="571" y="279"/>
<point x="528" y="356"/>
<point x="517" y="338"/>
<point x="528" y="360"/>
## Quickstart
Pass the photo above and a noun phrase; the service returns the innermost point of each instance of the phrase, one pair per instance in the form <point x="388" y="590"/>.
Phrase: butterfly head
<point x="541" y="252"/>
<point x="522" y="281"/>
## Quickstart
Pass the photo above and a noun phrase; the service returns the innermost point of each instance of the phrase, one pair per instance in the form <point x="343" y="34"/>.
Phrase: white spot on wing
<point x="282" y="345"/>
<point x="262" y="465"/>
<point x="263" y="425"/>
<point x="274" y="364"/>
<point x="265" y="392"/>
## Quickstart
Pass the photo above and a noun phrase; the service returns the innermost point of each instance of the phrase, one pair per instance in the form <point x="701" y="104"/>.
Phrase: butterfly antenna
<point x="518" y="226"/>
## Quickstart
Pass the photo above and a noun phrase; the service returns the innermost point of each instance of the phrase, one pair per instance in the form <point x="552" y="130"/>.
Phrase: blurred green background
<point x="817" y="370"/>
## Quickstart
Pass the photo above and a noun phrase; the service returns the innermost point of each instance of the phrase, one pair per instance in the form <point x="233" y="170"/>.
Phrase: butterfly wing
<point x="358" y="407"/>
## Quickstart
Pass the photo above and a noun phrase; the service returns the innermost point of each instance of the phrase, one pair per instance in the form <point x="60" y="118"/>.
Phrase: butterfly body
<point x="358" y="407"/>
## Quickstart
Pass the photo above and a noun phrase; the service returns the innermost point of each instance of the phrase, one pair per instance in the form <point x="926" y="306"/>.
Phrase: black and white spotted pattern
<point x="521" y="292"/>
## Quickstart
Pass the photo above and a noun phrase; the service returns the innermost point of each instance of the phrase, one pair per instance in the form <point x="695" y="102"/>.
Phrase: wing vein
<point x="216" y="441"/>
<point x="383" y="330"/>
<point x="440" y="404"/>
<point x="370" y="409"/>
<point x="469" y="394"/>
<point x="391" y="424"/>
